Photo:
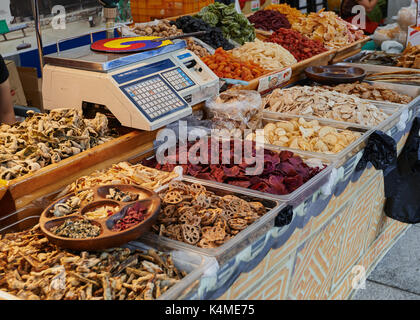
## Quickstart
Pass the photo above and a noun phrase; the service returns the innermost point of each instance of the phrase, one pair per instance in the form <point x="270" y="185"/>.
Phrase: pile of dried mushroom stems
<point x="43" y="139"/>
<point x="31" y="268"/>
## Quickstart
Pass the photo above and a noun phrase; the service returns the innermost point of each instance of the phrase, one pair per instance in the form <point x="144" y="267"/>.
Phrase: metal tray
<point x="241" y="240"/>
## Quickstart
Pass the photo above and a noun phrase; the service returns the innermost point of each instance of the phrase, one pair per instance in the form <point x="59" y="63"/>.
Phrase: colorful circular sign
<point x="128" y="44"/>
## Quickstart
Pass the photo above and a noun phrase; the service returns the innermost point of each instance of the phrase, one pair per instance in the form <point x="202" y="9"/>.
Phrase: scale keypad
<point x="154" y="97"/>
<point x="178" y="79"/>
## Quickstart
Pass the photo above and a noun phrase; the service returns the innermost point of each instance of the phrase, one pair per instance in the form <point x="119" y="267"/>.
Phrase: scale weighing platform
<point x="145" y="90"/>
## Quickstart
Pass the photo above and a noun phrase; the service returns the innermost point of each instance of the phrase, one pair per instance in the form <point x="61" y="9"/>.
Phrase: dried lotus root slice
<point x="208" y="216"/>
<point x="172" y="197"/>
<point x="207" y="244"/>
<point x="203" y="200"/>
<point x="169" y="210"/>
<point x="178" y="186"/>
<point x="222" y="223"/>
<point x="229" y="214"/>
<point x="213" y="233"/>
<point x="196" y="188"/>
<point x="186" y="209"/>
<point x="258" y="207"/>
<point x="251" y="217"/>
<point x="190" y="234"/>
<point x="192" y="220"/>
<point x="238" y="223"/>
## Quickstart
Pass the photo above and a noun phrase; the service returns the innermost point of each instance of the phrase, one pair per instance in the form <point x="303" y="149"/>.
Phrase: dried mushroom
<point x="43" y="139"/>
<point x="307" y="136"/>
<point x="32" y="268"/>
<point x="368" y="91"/>
<point x="164" y="29"/>
<point x="323" y="103"/>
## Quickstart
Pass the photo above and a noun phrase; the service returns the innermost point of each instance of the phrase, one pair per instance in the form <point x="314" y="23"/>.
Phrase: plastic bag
<point x="386" y="33"/>
<point x="233" y="111"/>
<point x="381" y="151"/>
<point x="391" y="46"/>
<point x="402" y="182"/>
<point x="407" y="16"/>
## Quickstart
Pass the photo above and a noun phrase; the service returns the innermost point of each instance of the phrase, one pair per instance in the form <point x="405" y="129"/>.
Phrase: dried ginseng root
<point x="194" y="215"/>
<point x="323" y="103"/>
<point x="34" y="269"/>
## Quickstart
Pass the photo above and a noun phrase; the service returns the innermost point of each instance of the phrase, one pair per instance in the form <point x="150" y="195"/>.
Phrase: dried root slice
<point x="190" y="234"/>
<point x="172" y="197"/>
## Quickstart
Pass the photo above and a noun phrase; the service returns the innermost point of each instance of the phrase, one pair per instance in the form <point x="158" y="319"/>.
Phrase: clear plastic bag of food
<point x="407" y="16"/>
<point x="233" y="111"/>
<point x="386" y="33"/>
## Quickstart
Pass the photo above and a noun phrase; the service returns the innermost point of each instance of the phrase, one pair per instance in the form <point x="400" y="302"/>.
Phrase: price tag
<point x="274" y="80"/>
<point x="255" y="5"/>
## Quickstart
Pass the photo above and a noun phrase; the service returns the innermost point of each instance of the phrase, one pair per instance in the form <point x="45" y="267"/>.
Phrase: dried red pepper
<point x="298" y="45"/>
<point x="134" y="215"/>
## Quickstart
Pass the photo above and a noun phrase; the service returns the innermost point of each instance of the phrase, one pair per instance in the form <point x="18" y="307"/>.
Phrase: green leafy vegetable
<point x="234" y="25"/>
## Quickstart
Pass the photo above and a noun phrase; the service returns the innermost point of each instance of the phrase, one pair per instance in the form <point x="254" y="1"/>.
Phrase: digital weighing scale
<point x="145" y="90"/>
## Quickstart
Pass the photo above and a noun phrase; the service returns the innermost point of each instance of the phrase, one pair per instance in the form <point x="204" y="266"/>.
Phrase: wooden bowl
<point x="107" y="238"/>
<point x="332" y="75"/>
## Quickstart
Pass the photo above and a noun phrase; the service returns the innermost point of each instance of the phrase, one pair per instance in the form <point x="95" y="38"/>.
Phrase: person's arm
<point x="7" y="113"/>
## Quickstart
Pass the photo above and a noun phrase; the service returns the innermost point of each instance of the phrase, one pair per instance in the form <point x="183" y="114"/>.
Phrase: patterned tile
<point x="359" y="212"/>
<point x="316" y="260"/>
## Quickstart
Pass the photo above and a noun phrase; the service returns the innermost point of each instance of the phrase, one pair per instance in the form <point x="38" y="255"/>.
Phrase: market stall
<point x="102" y="215"/>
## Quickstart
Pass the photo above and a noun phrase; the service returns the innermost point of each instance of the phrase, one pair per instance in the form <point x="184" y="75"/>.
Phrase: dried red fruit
<point x="269" y="20"/>
<point x="283" y="172"/>
<point x="298" y="45"/>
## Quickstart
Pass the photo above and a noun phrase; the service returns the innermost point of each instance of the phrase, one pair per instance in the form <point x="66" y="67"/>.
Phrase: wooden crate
<point x="24" y="190"/>
<point x="349" y="50"/>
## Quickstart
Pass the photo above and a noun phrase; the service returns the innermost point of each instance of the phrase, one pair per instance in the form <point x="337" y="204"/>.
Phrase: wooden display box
<point x="20" y="192"/>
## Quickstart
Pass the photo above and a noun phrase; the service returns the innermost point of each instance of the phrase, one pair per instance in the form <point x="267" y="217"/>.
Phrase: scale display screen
<point x="154" y="97"/>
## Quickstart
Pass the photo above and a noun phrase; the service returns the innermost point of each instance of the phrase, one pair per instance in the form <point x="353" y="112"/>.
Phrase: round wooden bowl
<point x="332" y="75"/>
<point x="108" y="238"/>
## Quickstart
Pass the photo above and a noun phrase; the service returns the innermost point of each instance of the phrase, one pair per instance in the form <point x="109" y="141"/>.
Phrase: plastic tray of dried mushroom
<point x="340" y="141"/>
<point x="47" y="151"/>
<point x="275" y="172"/>
<point x="136" y="271"/>
<point x="101" y="217"/>
<point x="211" y="219"/>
